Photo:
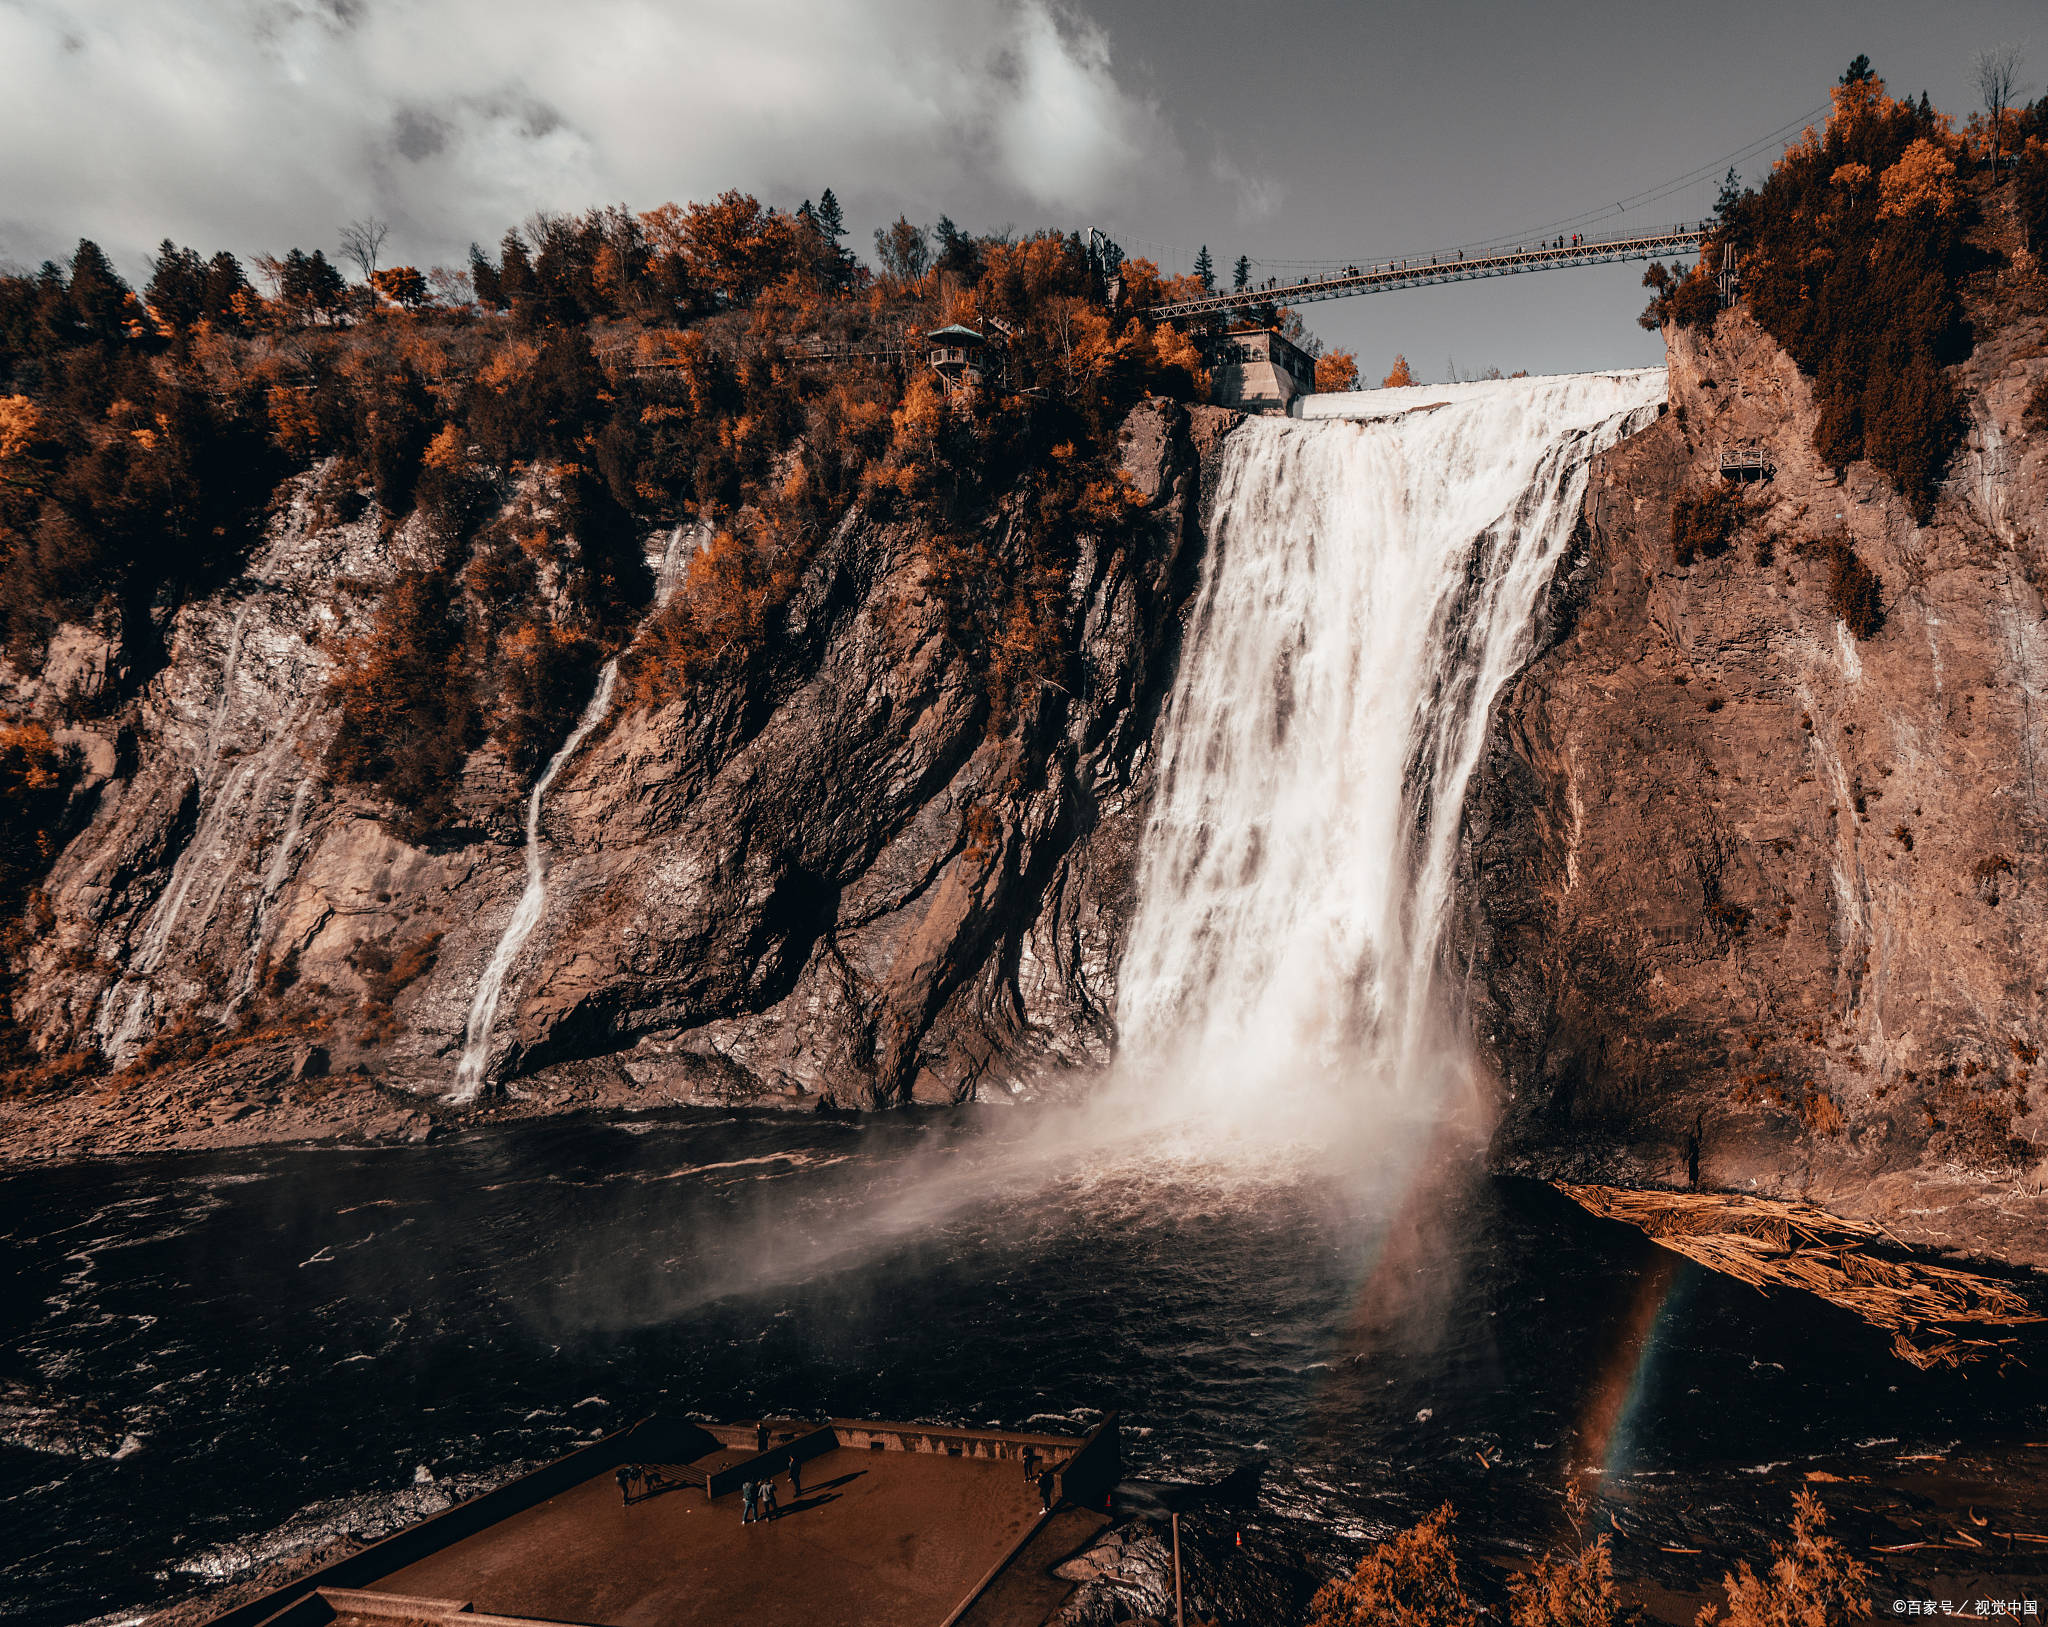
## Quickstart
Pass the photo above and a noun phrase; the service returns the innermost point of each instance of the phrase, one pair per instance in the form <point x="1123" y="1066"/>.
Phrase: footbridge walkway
<point x="1418" y="273"/>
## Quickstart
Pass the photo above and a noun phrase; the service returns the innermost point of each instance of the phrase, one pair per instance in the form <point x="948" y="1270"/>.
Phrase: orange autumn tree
<point x="1853" y="253"/>
<point x="734" y="245"/>
<point x="402" y="285"/>
<point x="1397" y="375"/>
<point x="1336" y="370"/>
<point x="1410" y="1580"/>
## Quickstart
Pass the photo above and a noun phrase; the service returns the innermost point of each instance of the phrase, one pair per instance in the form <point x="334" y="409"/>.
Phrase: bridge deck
<point x="1418" y="274"/>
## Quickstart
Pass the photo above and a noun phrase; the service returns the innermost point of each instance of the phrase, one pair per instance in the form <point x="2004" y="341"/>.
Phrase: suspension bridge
<point x="1548" y="255"/>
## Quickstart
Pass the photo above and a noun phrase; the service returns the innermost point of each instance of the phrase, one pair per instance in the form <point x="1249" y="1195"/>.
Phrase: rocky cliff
<point x="1753" y="880"/>
<point x="841" y="886"/>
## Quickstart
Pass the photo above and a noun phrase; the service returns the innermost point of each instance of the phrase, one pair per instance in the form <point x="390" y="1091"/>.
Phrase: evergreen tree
<point x="1205" y="268"/>
<point x="830" y="225"/>
<point x="829" y="219"/>
<point x="483" y="277"/>
<point x="1731" y="194"/>
<point x="312" y="284"/>
<point x="1859" y="72"/>
<point x="1241" y="276"/>
<point x="176" y="291"/>
<point x="99" y="298"/>
<point x="227" y="289"/>
<point x="959" y="255"/>
<point x="517" y="284"/>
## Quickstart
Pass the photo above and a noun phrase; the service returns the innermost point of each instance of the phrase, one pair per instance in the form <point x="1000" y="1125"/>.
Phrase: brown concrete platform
<point x="895" y="1537"/>
<point x="900" y="1525"/>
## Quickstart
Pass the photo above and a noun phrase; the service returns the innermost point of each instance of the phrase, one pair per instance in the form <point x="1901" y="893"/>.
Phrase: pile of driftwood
<point x="1932" y="1312"/>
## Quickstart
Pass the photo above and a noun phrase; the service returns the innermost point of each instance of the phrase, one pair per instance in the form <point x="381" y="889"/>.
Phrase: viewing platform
<point x="1744" y="464"/>
<point x="895" y="1523"/>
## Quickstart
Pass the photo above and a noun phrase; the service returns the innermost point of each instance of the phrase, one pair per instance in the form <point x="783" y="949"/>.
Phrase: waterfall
<point x="1370" y="585"/>
<point x="533" y="901"/>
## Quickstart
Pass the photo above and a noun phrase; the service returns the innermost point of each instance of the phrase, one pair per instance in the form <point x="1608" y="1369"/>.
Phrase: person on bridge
<point x="749" y="1502"/>
<point x="796" y="1478"/>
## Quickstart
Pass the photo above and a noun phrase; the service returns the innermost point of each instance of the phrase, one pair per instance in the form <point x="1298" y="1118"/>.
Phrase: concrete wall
<point x="1260" y="372"/>
<point x="668" y="1440"/>
<point x="1096" y="1466"/>
<point x="862" y="1436"/>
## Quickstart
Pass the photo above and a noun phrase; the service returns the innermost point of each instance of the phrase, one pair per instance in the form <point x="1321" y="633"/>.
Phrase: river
<point x="209" y="1358"/>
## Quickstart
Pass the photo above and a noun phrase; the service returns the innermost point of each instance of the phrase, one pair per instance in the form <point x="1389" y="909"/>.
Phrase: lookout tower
<point x="956" y="353"/>
<point x="1259" y="370"/>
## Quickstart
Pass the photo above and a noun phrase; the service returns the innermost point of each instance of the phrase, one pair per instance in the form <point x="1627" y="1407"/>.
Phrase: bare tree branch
<point x="362" y="241"/>
<point x="1997" y="73"/>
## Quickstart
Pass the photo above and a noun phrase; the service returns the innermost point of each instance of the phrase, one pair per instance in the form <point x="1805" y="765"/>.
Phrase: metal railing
<point x="1417" y="273"/>
<point x="1747" y="463"/>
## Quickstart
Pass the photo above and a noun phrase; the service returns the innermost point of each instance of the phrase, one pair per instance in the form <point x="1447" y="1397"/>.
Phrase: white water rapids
<point x="533" y="901"/>
<point x="1371" y="584"/>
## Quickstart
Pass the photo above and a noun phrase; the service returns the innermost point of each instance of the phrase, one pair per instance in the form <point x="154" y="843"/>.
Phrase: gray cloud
<point x="1259" y="196"/>
<point x="254" y="124"/>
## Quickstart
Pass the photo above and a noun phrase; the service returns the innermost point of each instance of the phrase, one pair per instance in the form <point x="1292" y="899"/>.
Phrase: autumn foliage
<point x="1813" y="1581"/>
<point x="1398" y="375"/>
<point x="1852" y="254"/>
<point x="1336" y="370"/>
<point x="1410" y="1580"/>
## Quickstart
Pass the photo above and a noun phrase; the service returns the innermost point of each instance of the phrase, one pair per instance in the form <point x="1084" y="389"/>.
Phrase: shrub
<point x="1566" y="1590"/>
<point x="1410" y="1580"/>
<point x="2030" y="194"/>
<point x="1702" y="522"/>
<point x="1813" y="1581"/>
<point x="1855" y="592"/>
<point x="408" y="715"/>
<point x="1680" y="296"/>
<point x="2035" y="417"/>
<point x="731" y="588"/>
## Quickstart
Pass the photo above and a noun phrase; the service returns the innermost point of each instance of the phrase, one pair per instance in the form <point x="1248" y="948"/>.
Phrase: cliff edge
<point x="1754" y="887"/>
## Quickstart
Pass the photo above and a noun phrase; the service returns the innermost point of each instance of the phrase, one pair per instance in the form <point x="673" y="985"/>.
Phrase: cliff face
<point x="1753" y="902"/>
<point x="841" y="885"/>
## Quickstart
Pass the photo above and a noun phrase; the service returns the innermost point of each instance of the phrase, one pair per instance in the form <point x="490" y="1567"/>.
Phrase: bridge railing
<point x="1418" y="272"/>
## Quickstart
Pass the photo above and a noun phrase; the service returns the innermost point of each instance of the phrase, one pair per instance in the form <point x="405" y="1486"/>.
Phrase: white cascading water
<point x="533" y="901"/>
<point x="1371" y="584"/>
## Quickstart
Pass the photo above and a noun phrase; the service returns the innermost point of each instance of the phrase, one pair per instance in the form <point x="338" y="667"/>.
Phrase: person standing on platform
<point x="768" y="1509"/>
<point x="624" y="1475"/>
<point x="748" y="1506"/>
<point x="796" y="1478"/>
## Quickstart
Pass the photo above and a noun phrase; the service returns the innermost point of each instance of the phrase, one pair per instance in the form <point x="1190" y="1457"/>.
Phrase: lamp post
<point x="1179" y="1616"/>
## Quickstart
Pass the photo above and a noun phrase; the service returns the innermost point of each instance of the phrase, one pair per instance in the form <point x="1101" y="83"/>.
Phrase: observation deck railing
<point x="1747" y="463"/>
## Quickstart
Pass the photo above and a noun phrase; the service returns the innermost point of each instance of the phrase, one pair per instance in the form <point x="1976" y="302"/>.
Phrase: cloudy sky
<point x="1293" y="131"/>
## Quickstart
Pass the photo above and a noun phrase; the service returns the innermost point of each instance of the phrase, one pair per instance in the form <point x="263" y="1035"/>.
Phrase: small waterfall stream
<point x="533" y="900"/>
<point x="1370" y="587"/>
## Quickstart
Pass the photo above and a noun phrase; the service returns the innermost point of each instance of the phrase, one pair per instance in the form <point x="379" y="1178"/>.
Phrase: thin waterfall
<point x="1371" y="584"/>
<point x="533" y="901"/>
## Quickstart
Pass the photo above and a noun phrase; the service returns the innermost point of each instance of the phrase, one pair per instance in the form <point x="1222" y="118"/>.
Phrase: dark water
<point x="201" y="1350"/>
